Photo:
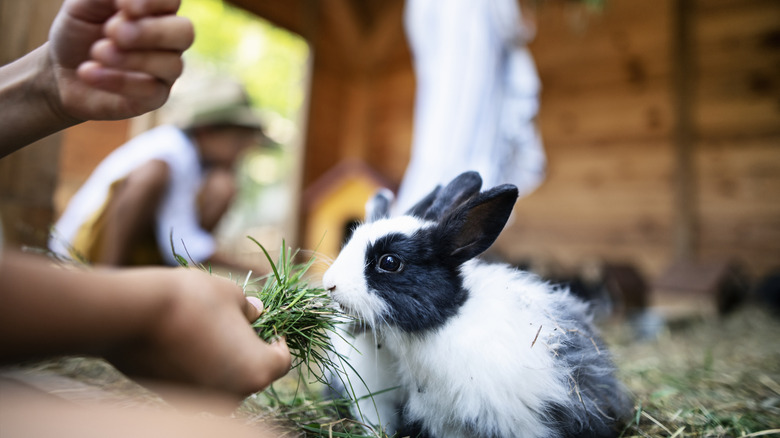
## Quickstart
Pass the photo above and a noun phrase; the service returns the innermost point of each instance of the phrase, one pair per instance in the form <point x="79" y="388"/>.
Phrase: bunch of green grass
<point x="297" y="311"/>
<point x="306" y="317"/>
<point x="293" y="309"/>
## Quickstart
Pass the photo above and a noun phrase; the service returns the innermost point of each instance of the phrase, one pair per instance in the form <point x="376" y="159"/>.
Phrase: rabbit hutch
<point x="660" y="122"/>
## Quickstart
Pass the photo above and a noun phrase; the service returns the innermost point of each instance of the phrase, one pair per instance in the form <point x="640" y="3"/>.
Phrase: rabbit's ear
<point x="457" y="192"/>
<point x="474" y="226"/>
<point x="378" y="207"/>
<point x="421" y="207"/>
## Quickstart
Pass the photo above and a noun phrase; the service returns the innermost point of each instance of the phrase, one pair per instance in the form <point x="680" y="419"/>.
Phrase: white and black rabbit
<point x="474" y="349"/>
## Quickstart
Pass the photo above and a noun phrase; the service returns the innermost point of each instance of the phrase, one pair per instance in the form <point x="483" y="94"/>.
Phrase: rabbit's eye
<point x="390" y="263"/>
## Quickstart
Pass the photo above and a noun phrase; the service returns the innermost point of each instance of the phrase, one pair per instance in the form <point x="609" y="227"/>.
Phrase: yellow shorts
<point x="88" y="243"/>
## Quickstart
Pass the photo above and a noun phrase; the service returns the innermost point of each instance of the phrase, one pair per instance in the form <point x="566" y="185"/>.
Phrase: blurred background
<point x="660" y="122"/>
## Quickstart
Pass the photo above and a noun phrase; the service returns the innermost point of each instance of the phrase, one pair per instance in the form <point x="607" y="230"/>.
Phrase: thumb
<point x="253" y="308"/>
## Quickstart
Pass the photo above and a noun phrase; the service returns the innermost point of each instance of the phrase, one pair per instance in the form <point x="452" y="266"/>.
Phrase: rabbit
<point x="472" y="349"/>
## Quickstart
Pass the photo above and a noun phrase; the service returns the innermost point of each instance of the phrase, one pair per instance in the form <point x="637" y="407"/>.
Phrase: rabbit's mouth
<point x="367" y="308"/>
<point x="344" y="308"/>
<point x="357" y="317"/>
<point x="349" y="311"/>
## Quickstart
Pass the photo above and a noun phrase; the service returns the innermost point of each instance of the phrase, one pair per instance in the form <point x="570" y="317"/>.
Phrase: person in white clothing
<point x="477" y="96"/>
<point x="163" y="192"/>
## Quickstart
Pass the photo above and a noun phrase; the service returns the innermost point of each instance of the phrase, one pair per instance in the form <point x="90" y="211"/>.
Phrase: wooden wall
<point x="661" y="121"/>
<point x="607" y="120"/>
<point x="83" y="147"/>
<point x="649" y="152"/>
<point x="28" y="176"/>
<point x="736" y="116"/>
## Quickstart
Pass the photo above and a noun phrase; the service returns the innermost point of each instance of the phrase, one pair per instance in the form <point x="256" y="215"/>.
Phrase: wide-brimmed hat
<point x="215" y="101"/>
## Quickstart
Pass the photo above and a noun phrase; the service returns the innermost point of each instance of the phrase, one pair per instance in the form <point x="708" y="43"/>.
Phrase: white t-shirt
<point x="177" y="216"/>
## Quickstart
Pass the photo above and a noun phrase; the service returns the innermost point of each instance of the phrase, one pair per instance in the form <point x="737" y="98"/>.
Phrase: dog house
<point x="335" y="203"/>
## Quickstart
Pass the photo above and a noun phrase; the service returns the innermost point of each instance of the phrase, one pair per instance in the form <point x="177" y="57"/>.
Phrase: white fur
<point x="493" y="362"/>
<point x="484" y="363"/>
<point x="370" y="370"/>
<point x="492" y="368"/>
<point x="371" y="378"/>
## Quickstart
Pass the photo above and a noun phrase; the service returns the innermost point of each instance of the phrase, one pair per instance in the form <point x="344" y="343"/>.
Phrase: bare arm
<point x="132" y="210"/>
<point x="113" y="59"/>
<point x="105" y="60"/>
<point x="175" y="324"/>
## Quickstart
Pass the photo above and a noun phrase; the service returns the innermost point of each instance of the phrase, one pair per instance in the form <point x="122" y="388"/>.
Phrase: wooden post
<point x="683" y="70"/>
<point x="28" y="176"/>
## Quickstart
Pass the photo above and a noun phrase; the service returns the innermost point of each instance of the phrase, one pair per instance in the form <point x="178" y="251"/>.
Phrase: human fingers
<point x="166" y="66"/>
<point x="77" y="26"/>
<point x="122" y="93"/>
<point x="252" y="308"/>
<point x="136" y="84"/>
<point x="164" y="32"/>
<point x="265" y="364"/>
<point x="89" y="11"/>
<point x="142" y="8"/>
<point x="283" y="356"/>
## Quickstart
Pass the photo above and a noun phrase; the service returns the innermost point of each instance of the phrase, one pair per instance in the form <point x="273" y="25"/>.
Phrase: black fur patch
<point x="413" y="430"/>
<point x="426" y="291"/>
<point x="598" y="407"/>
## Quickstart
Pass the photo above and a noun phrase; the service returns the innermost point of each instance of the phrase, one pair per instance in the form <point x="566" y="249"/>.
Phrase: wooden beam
<point x="293" y="15"/>
<point x="363" y="46"/>
<point x="387" y="32"/>
<point x="683" y="63"/>
<point x="341" y="19"/>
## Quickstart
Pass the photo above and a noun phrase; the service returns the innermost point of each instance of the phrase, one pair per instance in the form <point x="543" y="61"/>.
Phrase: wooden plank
<point x="622" y="29"/>
<point x="735" y="22"/>
<point x="571" y="255"/>
<point x="739" y="64"/>
<point x="607" y="116"/>
<point x="735" y="118"/>
<point x="686" y="232"/>
<point x="341" y="23"/>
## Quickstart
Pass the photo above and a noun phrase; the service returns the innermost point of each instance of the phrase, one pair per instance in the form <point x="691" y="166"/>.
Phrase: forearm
<point x="29" y="109"/>
<point x="48" y="310"/>
<point x="176" y="324"/>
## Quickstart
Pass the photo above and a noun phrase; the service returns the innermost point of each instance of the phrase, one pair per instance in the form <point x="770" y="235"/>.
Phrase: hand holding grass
<point x="179" y="325"/>
<point x="203" y="337"/>
<point x="296" y="311"/>
<point x="287" y="307"/>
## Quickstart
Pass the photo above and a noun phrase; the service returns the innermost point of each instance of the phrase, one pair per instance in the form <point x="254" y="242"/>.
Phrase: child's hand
<point x="115" y="59"/>
<point x="204" y="337"/>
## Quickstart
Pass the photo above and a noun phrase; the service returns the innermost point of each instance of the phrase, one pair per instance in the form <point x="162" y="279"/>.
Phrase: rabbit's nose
<point x="328" y="282"/>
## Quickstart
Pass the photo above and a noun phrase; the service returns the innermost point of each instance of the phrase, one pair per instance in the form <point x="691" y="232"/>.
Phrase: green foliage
<point x="270" y="61"/>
